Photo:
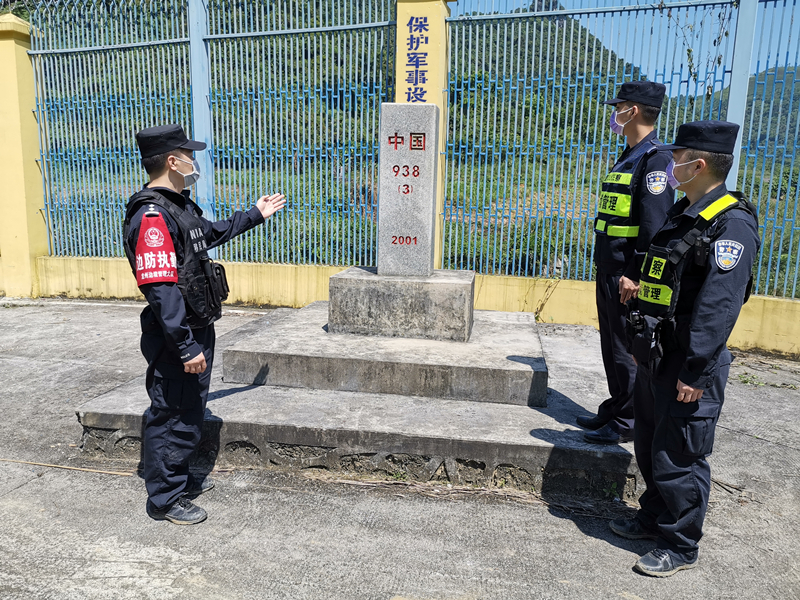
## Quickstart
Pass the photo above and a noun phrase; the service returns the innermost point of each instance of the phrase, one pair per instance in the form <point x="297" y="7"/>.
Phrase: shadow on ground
<point x="567" y="472"/>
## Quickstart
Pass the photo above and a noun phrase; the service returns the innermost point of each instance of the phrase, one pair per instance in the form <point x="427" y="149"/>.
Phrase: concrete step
<point x="502" y="362"/>
<point x="404" y="437"/>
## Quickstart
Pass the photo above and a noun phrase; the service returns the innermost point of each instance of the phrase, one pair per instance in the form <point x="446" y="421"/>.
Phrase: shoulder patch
<point x="727" y="254"/>
<point x="155" y="252"/>
<point x="656" y="182"/>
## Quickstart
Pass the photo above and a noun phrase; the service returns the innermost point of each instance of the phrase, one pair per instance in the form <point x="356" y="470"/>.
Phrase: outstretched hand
<point x="269" y="205"/>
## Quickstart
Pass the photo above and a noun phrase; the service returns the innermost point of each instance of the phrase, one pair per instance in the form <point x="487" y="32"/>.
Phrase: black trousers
<point x="620" y="369"/>
<point x="174" y="421"/>
<point x="672" y="441"/>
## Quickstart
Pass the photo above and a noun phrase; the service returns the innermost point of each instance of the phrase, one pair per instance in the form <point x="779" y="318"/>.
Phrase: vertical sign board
<point x="409" y="155"/>
<point x="421" y="75"/>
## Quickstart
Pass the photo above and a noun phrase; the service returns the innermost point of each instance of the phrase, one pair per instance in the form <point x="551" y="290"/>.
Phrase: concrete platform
<point x="439" y="307"/>
<point x="409" y="437"/>
<point x="502" y="362"/>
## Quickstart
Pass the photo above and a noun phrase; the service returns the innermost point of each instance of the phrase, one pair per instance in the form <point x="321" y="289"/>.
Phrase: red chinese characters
<point x="155" y="253"/>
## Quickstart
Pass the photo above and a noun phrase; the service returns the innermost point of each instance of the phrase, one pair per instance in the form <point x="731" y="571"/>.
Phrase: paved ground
<point x="72" y="534"/>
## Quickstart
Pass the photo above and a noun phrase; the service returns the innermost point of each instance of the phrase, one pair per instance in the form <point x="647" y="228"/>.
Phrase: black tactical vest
<point x="662" y="268"/>
<point x="659" y="283"/>
<point x="614" y="216"/>
<point x="201" y="281"/>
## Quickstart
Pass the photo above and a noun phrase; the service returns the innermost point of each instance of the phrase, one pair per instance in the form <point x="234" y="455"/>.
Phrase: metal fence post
<point x="201" y="107"/>
<point x="740" y="78"/>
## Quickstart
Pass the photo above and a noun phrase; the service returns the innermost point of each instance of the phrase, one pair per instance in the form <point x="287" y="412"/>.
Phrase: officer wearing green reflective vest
<point x="693" y="282"/>
<point x="632" y="206"/>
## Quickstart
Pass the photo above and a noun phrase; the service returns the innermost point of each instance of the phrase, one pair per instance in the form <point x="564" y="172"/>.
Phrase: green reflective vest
<point x="614" y="205"/>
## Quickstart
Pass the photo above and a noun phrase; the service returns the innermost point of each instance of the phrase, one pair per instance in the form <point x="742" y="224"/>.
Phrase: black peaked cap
<point x="649" y="93"/>
<point x="708" y="136"/>
<point x="163" y="138"/>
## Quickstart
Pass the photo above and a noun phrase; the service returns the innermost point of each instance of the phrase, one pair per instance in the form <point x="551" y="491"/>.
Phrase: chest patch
<point x="656" y="182"/>
<point x="727" y="254"/>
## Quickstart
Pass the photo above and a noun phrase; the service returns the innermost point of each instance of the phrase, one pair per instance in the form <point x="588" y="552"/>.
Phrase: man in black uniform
<point x="166" y="241"/>
<point x="633" y="205"/>
<point x="693" y="282"/>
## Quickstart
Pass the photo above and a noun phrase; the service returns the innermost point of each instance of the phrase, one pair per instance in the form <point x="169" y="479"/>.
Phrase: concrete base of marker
<point x="502" y="363"/>
<point x="438" y="307"/>
<point x="445" y="441"/>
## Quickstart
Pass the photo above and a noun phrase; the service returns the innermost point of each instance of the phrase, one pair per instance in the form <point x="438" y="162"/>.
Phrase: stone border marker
<point x="409" y="142"/>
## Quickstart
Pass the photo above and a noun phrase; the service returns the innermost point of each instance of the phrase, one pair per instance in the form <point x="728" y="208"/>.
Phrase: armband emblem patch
<point x="155" y="253"/>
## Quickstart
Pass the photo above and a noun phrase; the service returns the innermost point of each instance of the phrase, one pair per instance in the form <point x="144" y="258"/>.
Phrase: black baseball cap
<point x="649" y="93"/>
<point x="160" y="140"/>
<point x="708" y="136"/>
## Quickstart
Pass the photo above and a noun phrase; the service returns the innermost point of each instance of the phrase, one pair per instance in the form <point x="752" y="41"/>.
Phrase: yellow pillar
<point x="23" y="233"/>
<point x="422" y="63"/>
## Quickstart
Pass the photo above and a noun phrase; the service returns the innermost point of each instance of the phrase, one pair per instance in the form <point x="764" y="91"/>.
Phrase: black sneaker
<point x="593" y="422"/>
<point x="660" y="563"/>
<point x="606" y="435"/>
<point x="182" y="512"/>
<point x="195" y="488"/>
<point x="632" y="529"/>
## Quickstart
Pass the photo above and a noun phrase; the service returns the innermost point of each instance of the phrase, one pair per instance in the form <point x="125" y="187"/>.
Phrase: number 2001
<point x="404" y="241"/>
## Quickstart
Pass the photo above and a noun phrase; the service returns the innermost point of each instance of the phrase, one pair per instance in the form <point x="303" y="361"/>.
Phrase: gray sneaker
<point x="182" y="512"/>
<point x="661" y="563"/>
<point x="632" y="529"/>
<point x="195" y="488"/>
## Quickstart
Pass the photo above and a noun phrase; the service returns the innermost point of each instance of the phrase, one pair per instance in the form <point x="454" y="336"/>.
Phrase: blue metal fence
<point x="771" y="146"/>
<point x="529" y="139"/>
<point x="291" y="103"/>
<point x="295" y="100"/>
<point x="102" y="71"/>
<point x="288" y="95"/>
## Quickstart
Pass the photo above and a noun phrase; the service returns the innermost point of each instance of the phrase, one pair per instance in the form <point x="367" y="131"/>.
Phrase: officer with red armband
<point x="166" y="241"/>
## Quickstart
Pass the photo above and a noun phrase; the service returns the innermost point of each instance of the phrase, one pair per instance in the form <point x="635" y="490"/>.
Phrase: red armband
<point x="155" y="253"/>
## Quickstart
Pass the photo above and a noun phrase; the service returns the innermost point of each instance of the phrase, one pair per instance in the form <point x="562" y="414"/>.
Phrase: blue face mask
<point x="615" y="125"/>
<point x="672" y="181"/>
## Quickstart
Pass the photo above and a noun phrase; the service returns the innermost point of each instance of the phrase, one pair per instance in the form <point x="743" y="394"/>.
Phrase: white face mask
<point x="190" y="179"/>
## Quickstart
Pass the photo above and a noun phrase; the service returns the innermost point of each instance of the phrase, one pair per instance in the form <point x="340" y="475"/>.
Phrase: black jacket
<point x="711" y="296"/>
<point x="165" y="301"/>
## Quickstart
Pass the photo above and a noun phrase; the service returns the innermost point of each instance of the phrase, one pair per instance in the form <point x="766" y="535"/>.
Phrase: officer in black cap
<point x="167" y="240"/>
<point x="693" y="282"/>
<point x="633" y="204"/>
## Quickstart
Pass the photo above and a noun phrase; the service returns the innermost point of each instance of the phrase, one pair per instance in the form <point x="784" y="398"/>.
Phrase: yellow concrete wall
<point x="769" y="324"/>
<point x="254" y="284"/>
<point x="23" y="234"/>
<point x="71" y="277"/>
